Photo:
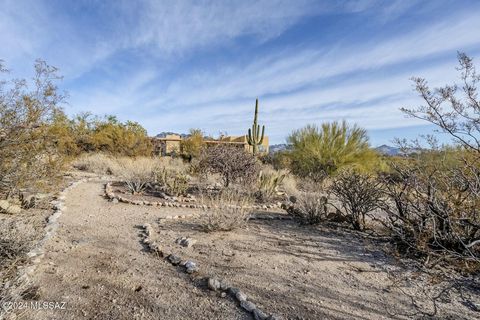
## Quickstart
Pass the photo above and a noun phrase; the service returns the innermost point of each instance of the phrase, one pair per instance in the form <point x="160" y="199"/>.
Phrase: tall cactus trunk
<point x="254" y="138"/>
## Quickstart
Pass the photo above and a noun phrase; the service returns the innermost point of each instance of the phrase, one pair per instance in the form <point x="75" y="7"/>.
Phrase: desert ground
<point x="97" y="265"/>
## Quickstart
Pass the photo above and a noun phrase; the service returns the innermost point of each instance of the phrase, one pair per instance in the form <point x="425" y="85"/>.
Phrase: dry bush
<point x="229" y="210"/>
<point x="28" y="149"/>
<point x="98" y="163"/>
<point x="232" y="163"/>
<point x="289" y="185"/>
<point x="358" y="193"/>
<point x="174" y="182"/>
<point x="268" y="183"/>
<point x="136" y="173"/>
<point x="434" y="205"/>
<point x="309" y="207"/>
<point x="433" y="210"/>
<point x="170" y="163"/>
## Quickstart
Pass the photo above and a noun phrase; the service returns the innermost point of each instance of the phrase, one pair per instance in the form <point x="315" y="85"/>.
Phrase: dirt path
<point x="96" y="265"/>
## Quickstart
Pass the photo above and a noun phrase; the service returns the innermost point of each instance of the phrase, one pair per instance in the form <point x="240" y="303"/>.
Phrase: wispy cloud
<point x="172" y="65"/>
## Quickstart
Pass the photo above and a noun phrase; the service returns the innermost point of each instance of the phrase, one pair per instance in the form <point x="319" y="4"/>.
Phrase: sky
<point x="175" y="65"/>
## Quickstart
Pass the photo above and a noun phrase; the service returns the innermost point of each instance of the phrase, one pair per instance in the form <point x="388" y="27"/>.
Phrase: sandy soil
<point x="303" y="272"/>
<point x="98" y="267"/>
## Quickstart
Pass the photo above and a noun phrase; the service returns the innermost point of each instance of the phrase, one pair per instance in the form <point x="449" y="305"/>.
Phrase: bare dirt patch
<point x="314" y="273"/>
<point x="97" y="265"/>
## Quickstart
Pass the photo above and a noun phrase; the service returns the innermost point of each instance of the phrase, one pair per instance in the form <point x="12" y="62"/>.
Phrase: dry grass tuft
<point x="229" y="210"/>
<point x="98" y="163"/>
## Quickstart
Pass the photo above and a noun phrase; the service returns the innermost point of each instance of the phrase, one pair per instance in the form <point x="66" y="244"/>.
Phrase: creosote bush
<point x="229" y="210"/>
<point x="358" y="193"/>
<point x="434" y="199"/>
<point x="309" y="207"/>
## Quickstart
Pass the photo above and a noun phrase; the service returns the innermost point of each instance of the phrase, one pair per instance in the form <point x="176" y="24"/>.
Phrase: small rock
<point x="233" y="291"/>
<point x="273" y="317"/>
<point x="259" y="315"/>
<point x="223" y="294"/>
<point x="186" y="242"/>
<point x="213" y="284"/>
<point x="241" y="296"/>
<point x="248" y="305"/>
<point x="7" y="207"/>
<point x="114" y="200"/>
<point x="191" y="267"/>
<point x="174" y="259"/>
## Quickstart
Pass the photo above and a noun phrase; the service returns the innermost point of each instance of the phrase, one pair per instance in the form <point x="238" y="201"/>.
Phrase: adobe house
<point x="171" y="144"/>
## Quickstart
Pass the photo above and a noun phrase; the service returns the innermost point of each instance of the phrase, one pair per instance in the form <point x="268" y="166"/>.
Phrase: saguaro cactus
<point x="254" y="138"/>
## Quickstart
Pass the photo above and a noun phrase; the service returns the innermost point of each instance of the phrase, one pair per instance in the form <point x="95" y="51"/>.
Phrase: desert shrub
<point x="28" y="150"/>
<point x="268" y="183"/>
<point x="280" y="160"/>
<point x="136" y="173"/>
<point x="192" y="146"/>
<point x="86" y="133"/>
<point x="126" y="139"/>
<point x="98" y="163"/>
<point x="229" y="210"/>
<point x="233" y="164"/>
<point x="318" y="152"/>
<point x="174" y="181"/>
<point x="289" y="185"/>
<point x="358" y="194"/>
<point x="309" y="207"/>
<point x="433" y="208"/>
<point x="435" y="197"/>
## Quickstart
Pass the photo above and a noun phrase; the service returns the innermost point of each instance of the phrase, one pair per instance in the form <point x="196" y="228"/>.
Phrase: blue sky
<point x="175" y="65"/>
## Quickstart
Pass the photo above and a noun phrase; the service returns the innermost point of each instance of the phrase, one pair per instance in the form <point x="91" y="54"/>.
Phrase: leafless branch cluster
<point x="233" y="164"/>
<point x="358" y="193"/>
<point x="454" y="109"/>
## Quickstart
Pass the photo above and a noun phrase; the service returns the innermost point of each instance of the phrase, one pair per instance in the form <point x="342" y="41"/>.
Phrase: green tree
<point x="319" y="151"/>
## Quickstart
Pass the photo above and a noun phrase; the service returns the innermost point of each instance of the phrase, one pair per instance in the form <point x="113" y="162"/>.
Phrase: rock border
<point x="213" y="283"/>
<point x="172" y="204"/>
<point x="37" y="253"/>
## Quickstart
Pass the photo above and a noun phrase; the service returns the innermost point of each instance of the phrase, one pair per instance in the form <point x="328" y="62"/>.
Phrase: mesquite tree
<point x="28" y="150"/>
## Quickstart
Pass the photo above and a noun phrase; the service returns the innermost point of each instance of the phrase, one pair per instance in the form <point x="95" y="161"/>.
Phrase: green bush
<point x="321" y="151"/>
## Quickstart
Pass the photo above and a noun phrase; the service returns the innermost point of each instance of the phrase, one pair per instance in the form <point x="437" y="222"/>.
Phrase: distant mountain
<point x="278" y="147"/>
<point x="388" y="150"/>
<point x="164" y="134"/>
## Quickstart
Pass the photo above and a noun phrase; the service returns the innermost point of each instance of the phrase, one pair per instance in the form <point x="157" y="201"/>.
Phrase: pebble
<point x="213" y="284"/>
<point x="174" y="259"/>
<point x="191" y="267"/>
<point x="247" y="305"/>
<point x="241" y="296"/>
<point x="259" y="314"/>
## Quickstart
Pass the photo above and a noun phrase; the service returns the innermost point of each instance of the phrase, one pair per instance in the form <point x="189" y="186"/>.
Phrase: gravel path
<point x="96" y="265"/>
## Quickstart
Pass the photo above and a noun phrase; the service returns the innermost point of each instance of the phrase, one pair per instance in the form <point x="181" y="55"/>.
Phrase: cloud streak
<point x="172" y="65"/>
